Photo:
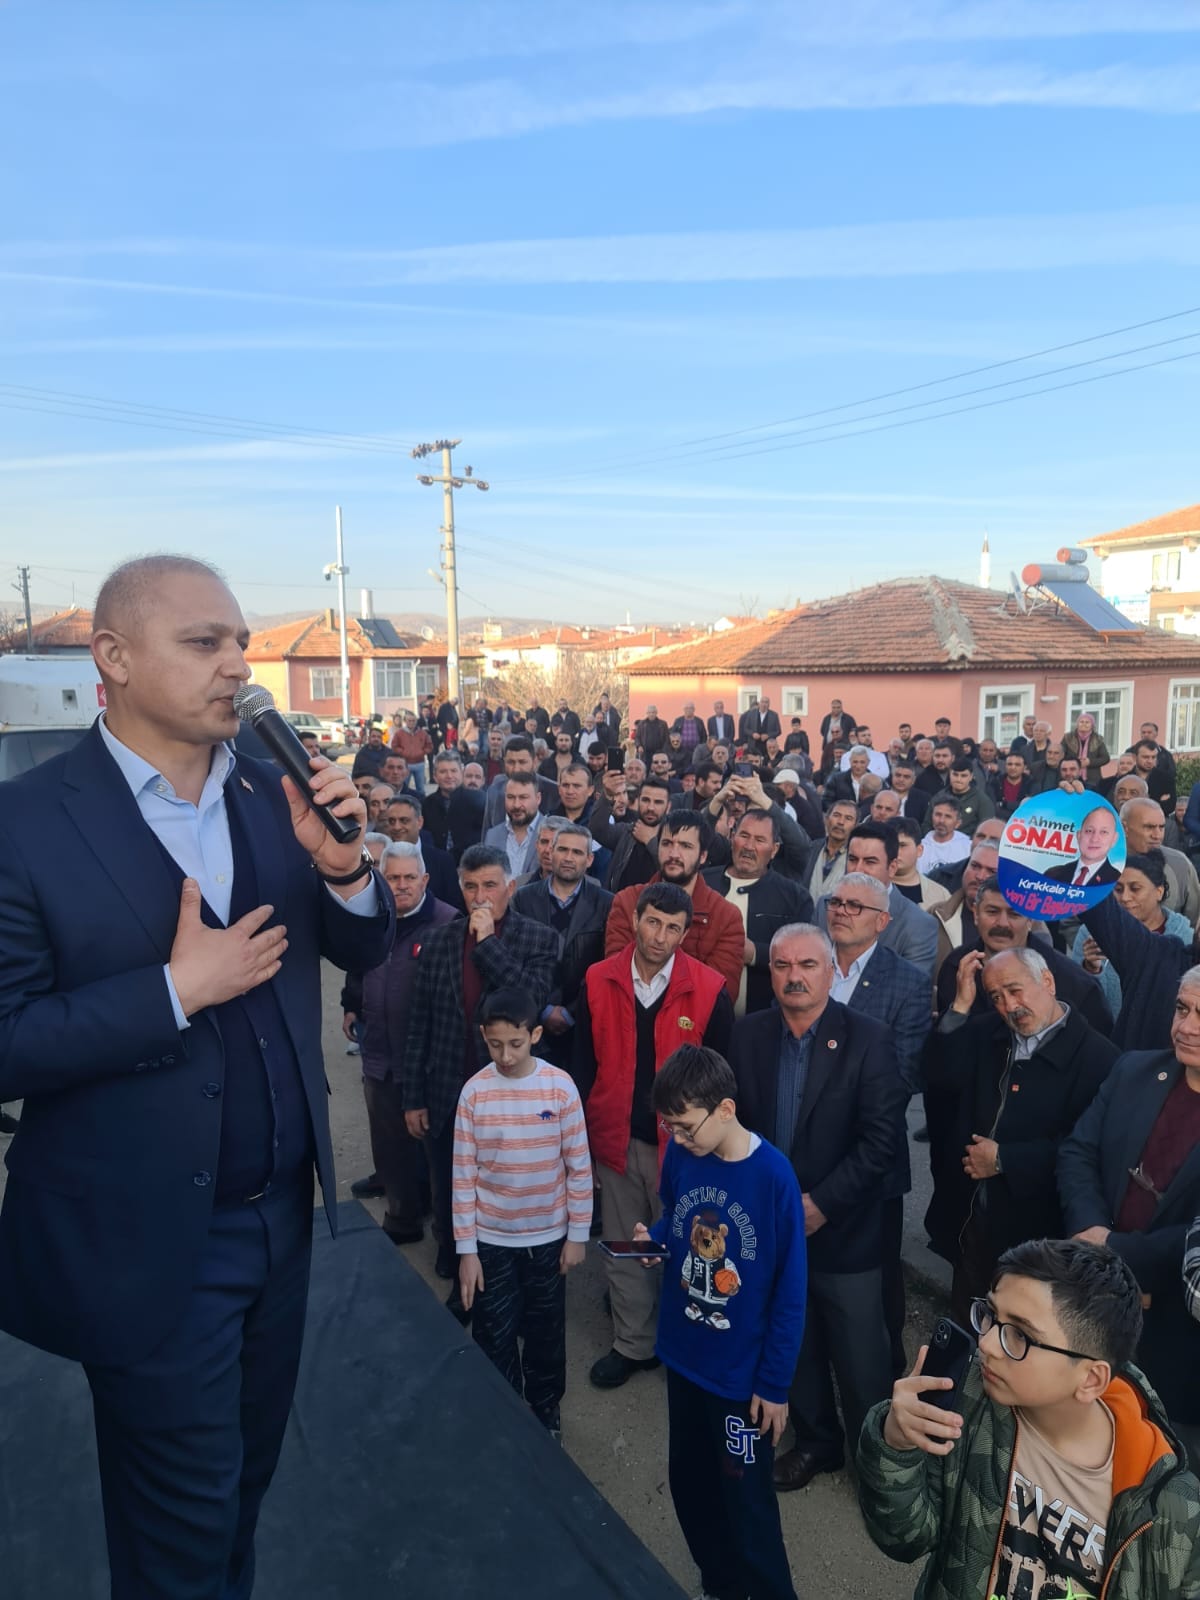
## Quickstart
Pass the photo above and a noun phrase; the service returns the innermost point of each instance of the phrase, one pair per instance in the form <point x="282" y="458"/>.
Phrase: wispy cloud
<point x="414" y="114"/>
<point x="1163" y="234"/>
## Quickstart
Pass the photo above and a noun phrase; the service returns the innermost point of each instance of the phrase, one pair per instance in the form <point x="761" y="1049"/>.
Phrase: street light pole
<point x="449" y="483"/>
<point x="340" y="568"/>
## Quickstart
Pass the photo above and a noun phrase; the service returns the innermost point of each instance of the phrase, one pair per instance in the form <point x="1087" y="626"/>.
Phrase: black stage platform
<point x="409" y="1468"/>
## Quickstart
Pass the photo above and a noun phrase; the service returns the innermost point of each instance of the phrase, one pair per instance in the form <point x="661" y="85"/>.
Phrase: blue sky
<point x="606" y="244"/>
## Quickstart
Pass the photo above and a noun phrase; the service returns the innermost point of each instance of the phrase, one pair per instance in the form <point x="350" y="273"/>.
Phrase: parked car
<point x="307" y="722"/>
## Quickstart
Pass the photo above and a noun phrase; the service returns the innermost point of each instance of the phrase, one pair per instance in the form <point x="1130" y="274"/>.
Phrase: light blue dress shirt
<point x="197" y="836"/>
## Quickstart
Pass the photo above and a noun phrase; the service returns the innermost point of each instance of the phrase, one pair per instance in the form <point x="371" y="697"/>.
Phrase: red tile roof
<point x="1172" y="525"/>
<point x="921" y="625"/>
<point x="312" y="637"/>
<point x="65" y="630"/>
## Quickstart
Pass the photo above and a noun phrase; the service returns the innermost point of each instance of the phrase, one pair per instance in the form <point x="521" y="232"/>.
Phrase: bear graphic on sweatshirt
<point x="708" y="1275"/>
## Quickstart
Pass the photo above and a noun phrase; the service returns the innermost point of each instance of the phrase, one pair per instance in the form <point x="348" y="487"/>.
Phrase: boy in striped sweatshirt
<point x="522" y="1202"/>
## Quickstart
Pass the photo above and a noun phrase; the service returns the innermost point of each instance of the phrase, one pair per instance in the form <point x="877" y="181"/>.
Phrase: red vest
<point x="682" y="1019"/>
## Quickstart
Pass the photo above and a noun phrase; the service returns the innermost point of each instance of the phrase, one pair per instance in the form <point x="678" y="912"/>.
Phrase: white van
<point x="47" y="703"/>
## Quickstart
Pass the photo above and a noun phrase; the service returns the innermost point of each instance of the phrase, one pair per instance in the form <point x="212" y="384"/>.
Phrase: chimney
<point x="985" y="565"/>
<point x="331" y="618"/>
<point x="366" y="607"/>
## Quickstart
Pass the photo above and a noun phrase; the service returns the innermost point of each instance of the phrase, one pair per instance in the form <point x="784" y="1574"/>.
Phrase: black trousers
<point x="520" y="1321"/>
<point x="895" y="1306"/>
<point x="972" y="1273"/>
<point x="188" y="1438"/>
<point x="724" y="1494"/>
<point x="439" y="1152"/>
<point x="399" y="1158"/>
<point x="844" y="1334"/>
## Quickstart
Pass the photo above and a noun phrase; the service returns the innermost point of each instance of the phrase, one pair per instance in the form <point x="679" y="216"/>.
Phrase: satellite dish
<point x="427" y="633"/>
<point x="1018" y="593"/>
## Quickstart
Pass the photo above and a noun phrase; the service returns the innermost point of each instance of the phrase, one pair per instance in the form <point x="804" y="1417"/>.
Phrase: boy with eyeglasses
<point x="730" y="1323"/>
<point x="1056" y="1476"/>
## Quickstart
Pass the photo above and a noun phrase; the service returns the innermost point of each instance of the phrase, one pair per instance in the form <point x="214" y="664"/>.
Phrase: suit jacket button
<point x="211" y="1091"/>
<point x="202" y="1179"/>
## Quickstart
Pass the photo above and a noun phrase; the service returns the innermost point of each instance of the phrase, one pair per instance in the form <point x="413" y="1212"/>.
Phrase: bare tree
<point x="12" y="632"/>
<point x="581" y="678"/>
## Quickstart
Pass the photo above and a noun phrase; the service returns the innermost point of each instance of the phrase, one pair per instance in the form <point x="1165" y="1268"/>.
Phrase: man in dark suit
<point x="566" y="721"/>
<point x="910" y="932"/>
<point x="1129" y="1179"/>
<point x="651" y="733"/>
<point x="761" y="724"/>
<point x="720" y="725"/>
<point x="163" y="1028"/>
<point x="518" y="761"/>
<point x="403" y="822"/>
<point x="873" y="980"/>
<point x="609" y="718"/>
<point x="765" y="900"/>
<point x="492" y="948"/>
<point x="537" y="714"/>
<point x="1097" y="835"/>
<point x="847" y="785"/>
<point x="837" y="725"/>
<point x="575" y="908"/>
<point x="820" y="1082"/>
<point x="1018" y="1073"/>
<point x="453" y="813"/>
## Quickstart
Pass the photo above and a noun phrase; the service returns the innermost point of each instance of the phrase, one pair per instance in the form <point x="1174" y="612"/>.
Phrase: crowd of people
<point x="698" y="971"/>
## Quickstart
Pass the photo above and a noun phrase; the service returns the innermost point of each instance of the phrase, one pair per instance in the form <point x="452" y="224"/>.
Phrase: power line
<point x="982" y="405"/>
<point x="686" y="445"/>
<point x="203" y="416"/>
<point x="731" y="453"/>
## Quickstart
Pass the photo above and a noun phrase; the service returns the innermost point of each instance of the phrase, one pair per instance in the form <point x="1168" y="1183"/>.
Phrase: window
<point x="795" y="700"/>
<point x="1183" y="715"/>
<point x="1165" y="568"/>
<point x="1109" y="703"/>
<point x="325" y="683"/>
<point x="1002" y="713"/>
<point x="393" y="680"/>
<point x="428" y="680"/>
<point x="1167" y="621"/>
<point x="746" y="693"/>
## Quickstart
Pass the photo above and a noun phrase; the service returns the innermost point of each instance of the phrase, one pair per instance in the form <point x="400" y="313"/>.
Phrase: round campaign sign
<point x="1060" y="854"/>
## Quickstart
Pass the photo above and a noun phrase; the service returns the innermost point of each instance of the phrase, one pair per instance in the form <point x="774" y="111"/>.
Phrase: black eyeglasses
<point x="853" y="908"/>
<point x="688" y="1135"/>
<point x="1014" y="1341"/>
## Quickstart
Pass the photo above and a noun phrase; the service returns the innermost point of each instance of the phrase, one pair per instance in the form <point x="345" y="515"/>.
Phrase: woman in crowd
<point x="1086" y="745"/>
<point x="1140" y="891"/>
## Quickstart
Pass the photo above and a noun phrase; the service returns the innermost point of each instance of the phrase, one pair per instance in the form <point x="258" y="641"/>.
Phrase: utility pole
<point x="449" y="483"/>
<point x="340" y="568"/>
<point x="22" y="588"/>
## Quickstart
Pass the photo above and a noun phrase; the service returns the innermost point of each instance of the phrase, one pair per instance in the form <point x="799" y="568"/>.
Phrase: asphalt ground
<point x="619" y="1438"/>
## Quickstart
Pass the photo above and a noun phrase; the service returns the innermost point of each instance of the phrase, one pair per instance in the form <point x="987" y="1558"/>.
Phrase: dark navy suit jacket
<point x="106" y="1208"/>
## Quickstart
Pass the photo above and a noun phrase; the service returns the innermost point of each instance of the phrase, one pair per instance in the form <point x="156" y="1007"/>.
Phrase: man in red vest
<point x="634" y="1009"/>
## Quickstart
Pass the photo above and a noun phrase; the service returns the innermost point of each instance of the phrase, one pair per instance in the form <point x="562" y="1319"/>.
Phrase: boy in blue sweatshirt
<point x="730" y="1323"/>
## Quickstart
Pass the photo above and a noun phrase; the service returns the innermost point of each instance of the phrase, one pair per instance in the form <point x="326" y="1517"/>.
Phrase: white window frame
<point x="333" y="675"/>
<point x="1124" y="687"/>
<point x="1027" y="692"/>
<point x="1171" y="735"/>
<point x="798" y="691"/>
<point x="431" y="685"/>
<point x="746" y="693"/>
<point x="383" y="667"/>
<point x="1169" y="559"/>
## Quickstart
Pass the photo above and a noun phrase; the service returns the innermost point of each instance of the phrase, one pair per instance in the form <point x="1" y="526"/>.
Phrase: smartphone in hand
<point x="948" y="1356"/>
<point x="633" y="1249"/>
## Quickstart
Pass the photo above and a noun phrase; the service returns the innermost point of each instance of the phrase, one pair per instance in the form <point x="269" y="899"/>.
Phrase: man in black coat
<point x="1020" y="1075"/>
<point x="575" y="908"/>
<point x="760" y="724"/>
<point x="841" y="723"/>
<point x="633" y="837"/>
<point x="765" y="900"/>
<point x="1129" y="1179"/>
<point x="538" y="714"/>
<point x="820" y="1082"/>
<point x="1000" y="927"/>
<point x="447" y="718"/>
<point x="453" y="814"/>
<point x="566" y="721"/>
<point x="651" y="734"/>
<point x="720" y="725"/>
<point x="403" y="822"/>
<point x="609" y="718"/>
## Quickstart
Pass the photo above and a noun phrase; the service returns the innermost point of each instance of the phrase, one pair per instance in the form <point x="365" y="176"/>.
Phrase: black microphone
<point x="257" y="707"/>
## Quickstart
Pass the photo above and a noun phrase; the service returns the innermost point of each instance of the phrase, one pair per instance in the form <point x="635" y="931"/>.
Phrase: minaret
<point x="985" y="565"/>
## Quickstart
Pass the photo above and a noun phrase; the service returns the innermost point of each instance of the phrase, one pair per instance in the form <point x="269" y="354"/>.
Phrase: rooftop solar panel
<point x="1090" y="607"/>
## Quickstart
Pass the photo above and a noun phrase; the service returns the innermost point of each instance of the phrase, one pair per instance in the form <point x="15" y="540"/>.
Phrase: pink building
<point x="915" y="649"/>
